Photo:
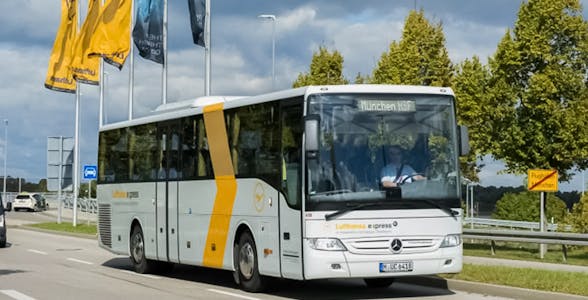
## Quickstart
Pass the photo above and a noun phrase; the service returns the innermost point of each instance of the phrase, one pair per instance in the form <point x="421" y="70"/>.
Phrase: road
<point x="38" y="265"/>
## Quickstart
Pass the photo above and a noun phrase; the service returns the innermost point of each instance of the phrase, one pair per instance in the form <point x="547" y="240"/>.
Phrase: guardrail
<point x="557" y="238"/>
<point x="508" y="224"/>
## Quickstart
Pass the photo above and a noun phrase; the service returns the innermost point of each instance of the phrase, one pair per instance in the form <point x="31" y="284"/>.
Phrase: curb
<point x="72" y="234"/>
<point x="487" y="288"/>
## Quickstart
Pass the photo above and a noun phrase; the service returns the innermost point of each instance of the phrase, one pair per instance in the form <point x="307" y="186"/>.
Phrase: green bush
<point x="524" y="206"/>
<point x="578" y="219"/>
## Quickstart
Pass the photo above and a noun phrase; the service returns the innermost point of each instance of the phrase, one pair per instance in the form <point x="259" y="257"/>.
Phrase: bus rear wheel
<point x="247" y="267"/>
<point x="378" y="283"/>
<point x="137" y="245"/>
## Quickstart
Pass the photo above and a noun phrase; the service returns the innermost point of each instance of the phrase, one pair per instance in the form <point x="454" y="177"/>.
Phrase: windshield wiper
<point x="348" y="209"/>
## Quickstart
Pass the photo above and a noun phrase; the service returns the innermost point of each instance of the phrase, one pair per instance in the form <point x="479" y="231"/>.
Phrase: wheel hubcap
<point x="137" y="248"/>
<point x="246" y="261"/>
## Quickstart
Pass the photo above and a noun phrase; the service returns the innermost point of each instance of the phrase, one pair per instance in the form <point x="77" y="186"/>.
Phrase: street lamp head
<point x="267" y="17"/>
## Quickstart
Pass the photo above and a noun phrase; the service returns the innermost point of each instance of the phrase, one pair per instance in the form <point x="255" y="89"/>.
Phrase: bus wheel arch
<point x="246" y="261"/>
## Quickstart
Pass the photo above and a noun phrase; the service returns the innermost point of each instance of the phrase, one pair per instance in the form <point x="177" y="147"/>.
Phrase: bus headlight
<point x="326" y="244"/>
<point x="451" y="240"/>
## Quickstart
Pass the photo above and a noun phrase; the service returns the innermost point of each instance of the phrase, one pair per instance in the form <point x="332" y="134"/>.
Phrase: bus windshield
<point x="398" y="150"/>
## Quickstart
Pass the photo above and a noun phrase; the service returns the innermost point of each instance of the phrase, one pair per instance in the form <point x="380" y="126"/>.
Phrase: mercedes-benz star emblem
<point x="396" y="245"/>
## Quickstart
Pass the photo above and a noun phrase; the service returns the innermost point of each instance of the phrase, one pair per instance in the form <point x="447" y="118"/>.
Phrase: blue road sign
<point x="90" y="172"/>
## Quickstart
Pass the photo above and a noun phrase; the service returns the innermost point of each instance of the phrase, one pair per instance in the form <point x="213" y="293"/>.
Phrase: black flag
<point x="148" y="30"/>
<point x="197" y="15"/>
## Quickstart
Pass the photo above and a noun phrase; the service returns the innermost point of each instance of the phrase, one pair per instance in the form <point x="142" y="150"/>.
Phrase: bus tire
<point x="137" y="250"/>
<point x="249" y="278"/>
<point x="378" y="283"/>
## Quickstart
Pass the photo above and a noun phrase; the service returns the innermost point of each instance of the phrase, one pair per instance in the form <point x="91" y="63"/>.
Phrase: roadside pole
<point x="542" y="247"/>
<point x="60" y="180"/>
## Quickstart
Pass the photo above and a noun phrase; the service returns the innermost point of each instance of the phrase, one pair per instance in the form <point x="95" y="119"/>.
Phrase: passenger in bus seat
<point x="397" y="171"/>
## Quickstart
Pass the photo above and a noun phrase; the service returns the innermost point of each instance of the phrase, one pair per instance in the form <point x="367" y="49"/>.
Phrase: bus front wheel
<point x="247" y="267"/>
<point x="137" y="244"/>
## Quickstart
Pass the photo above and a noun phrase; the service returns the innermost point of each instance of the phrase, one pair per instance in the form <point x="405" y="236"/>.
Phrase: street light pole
<point x="273" y="19"/>
<point x="583" y="183"/>
<point x="5" y="156"/>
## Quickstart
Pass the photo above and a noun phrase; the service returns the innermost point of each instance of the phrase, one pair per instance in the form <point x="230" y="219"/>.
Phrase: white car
<point x="34" y="202"/>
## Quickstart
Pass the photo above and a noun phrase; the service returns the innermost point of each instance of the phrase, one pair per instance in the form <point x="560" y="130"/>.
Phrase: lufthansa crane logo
<point x="396" y="246"/>
<point x="258" y="197"/>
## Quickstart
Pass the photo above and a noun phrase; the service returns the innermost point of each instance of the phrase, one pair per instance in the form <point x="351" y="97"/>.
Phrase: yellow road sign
<point x="542" y="180"/>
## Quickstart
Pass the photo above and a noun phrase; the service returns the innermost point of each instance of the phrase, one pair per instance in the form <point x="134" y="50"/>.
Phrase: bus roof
<point x="194" y="106"/>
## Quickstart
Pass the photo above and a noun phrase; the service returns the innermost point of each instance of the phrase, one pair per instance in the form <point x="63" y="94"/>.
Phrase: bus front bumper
<point x="344" y="264"/>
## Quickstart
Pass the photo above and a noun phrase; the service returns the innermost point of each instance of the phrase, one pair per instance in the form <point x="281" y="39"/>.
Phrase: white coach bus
<point x="350" y="181"/>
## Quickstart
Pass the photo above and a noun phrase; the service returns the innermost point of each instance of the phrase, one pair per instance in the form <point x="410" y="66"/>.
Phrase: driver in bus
<point x="396" y="171"/>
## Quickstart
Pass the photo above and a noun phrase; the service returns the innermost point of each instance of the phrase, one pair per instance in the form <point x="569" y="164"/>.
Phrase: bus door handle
<point x="153" y="201"/>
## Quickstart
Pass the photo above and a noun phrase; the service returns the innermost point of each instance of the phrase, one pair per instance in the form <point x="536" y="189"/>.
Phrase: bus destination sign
<point x="392" y="105"/>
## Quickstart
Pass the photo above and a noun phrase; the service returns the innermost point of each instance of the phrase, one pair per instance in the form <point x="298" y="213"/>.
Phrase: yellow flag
<point x="59" y="76"/>
<point x="111" y="38"/>
<point x="85" y="69"/>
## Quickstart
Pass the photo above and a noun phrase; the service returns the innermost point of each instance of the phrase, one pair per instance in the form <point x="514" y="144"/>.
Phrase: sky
<point x="241" y="62"/>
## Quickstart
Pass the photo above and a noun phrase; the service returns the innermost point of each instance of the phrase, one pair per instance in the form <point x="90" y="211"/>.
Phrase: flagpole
<point x="101" y="92"/>
<point x="207" y="53"/>
<point x="131" y="62"/>
<point x="164" y="65"/>
<point x="76" y="168"/>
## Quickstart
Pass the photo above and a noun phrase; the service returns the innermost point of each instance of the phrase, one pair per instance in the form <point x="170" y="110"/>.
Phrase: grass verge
<point x="530" y="252"/>
<point x="67" y="227"/>
<point x="552" y="281"/>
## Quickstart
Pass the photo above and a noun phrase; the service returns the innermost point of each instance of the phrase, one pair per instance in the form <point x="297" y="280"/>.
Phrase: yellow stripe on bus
<point x="226" y="186"/>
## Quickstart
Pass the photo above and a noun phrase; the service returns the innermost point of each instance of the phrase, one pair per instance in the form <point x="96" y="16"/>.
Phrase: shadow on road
<point x="349" y="289"/>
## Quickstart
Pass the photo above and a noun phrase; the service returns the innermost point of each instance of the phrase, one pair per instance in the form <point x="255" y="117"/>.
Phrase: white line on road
<point x="16" y="295"/>
<point x="233" y="294"/>
<point x="80" y="261"/>
<point x="37" y="251"/>
<point x="143" y="275"/>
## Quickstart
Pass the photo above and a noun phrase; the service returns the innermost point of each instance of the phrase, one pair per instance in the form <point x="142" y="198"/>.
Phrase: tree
<point x="525" y="206"/>
<point x="325" y="68"/>
<point x="578" y="219"/>
<point x="538" y="90"/>
<point x="470" y="87"/>
<point x="420" y="58"/>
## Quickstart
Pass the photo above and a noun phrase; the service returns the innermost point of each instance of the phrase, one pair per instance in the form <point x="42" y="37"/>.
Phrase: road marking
<point x="80" y="261"/>
<point x="233" y="294"/>
<point x="143" y="275"/>
<point x="16" y="295"/>
<point x="37" y="251"/>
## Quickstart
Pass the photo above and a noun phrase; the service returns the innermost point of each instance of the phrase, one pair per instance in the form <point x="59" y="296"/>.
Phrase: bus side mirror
<point x="464" y="141"/>
<point x="311" y="131"/>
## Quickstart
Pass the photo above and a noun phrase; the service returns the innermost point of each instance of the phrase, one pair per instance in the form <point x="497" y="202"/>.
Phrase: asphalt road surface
<point x="37" y="265"/>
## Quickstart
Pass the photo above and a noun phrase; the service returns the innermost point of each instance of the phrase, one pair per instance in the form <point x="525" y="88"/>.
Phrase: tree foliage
<point x="538" y="90"/>
<point x="419" y="58"/>
<point x="525" y="206"/>
<point x="326" y="68"/>
<point x="471" y="89"/>
<point x="578" y="218"/>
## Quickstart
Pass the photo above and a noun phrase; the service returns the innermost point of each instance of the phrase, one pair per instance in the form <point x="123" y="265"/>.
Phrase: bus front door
<point x="167" y="192"/>
<point x="290" y="202"/>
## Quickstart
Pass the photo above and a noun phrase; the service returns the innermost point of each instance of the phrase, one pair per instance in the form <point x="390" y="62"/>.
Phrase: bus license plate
<point x="397" y="266"/>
